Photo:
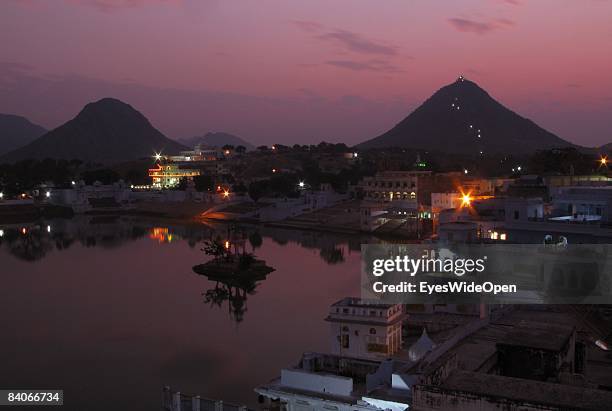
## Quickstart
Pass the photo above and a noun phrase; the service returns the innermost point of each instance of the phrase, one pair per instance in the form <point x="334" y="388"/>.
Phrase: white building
<point x="363" y="330"/>
<point x="582" y="204"/>
<point x="359" y="375"/>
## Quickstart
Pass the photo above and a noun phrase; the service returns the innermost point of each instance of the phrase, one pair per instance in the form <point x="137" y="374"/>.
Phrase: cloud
<point x="512" y="2"/>
<point x="308" y="26"/>
<point x="358" y="44"/>
<point x="477" y="27"/>
<point x="370" y="65"/>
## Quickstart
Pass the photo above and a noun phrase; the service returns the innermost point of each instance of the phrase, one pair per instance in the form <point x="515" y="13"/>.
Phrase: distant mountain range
<point x="17" y="131"/>
<point x="107" y="130"/>
<point x="463" y="118"/>
<point x="606" y="148"/>
<point x="217" y="139"/>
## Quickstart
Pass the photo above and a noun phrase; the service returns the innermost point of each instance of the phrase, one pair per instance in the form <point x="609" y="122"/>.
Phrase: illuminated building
<point x="389" y="186"/>
<point x="188" y="164"/>
<point x="170" y="175"/>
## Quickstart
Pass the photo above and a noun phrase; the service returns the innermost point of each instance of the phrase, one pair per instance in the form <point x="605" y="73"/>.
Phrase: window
<point x="373" y="331"/>
<point x="516" y="214"/>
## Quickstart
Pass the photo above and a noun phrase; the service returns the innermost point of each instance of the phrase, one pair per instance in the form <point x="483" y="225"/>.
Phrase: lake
<point x="109" y="310"/>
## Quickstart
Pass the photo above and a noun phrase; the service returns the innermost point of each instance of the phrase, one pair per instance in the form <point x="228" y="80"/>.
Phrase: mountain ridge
<point x="463" y="117"/>
<point x="107" y="130"/>
<point x="217" y="139"/>
<point x="17" y="131"/>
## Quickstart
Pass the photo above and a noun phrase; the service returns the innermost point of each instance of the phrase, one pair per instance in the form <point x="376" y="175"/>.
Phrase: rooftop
<point x="564" y="396"/>
<point x="358" y="302"/>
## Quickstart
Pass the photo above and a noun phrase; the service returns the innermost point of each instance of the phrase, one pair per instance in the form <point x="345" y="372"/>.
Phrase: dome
<point x="421" y="347"/>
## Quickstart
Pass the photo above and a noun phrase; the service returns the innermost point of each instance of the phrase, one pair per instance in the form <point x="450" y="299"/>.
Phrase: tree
<point x="263" y="149"/>
<point x="228" y="147"/>
<point x="257" y="189"/>
<point x="241" y="149"/>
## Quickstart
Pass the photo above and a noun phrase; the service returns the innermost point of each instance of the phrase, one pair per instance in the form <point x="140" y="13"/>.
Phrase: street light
<point x="603" y="161"/>
<point x="466" y="200"/>
<point x="157" y="156"/>
<point x="301" y="184"/>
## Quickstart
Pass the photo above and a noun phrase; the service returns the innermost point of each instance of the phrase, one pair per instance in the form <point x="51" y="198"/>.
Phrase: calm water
<point x="110" y="310"/>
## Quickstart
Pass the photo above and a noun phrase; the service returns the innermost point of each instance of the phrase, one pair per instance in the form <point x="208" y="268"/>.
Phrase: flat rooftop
<point x="558" y="395"/>
<point x="539" y="335"/>
<point x="358" y="302"/>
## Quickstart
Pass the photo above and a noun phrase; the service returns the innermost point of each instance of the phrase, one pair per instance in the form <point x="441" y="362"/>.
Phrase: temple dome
<point x="421" y="347"/>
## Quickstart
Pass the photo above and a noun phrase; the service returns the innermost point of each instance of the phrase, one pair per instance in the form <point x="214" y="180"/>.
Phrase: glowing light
<point x="48" y="194"/>
<point x="603" y="161"/>
<point x="157" y="156"/>
<point x="502" y="236"/>
<point x="161" y="234"/>
<point x="218" y="188"/>
<point x="24" y="231"/>
<point x="273" y="147"/>
<point x="301" y="184"/>
<point x="466" y="200"/>
<point x="274" y="170"/>
<point x="23" y="195"/>
<point x="355" y="155"/>
<point x="227" y="152"/>
<point x="1" y="233"/>
<point x="465" y="171"/>
<point x="227" y="245"/>
<point x="48" y="228"/>
<point x="226" y="194"/>
<point x="519" y="168"/>
<point x="72" y="182"/>
<point x="602" y="344"/>
<point x="1" y="196"/>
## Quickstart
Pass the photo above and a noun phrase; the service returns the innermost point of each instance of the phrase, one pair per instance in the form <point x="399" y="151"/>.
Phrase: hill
<point x="107" y="130"/>
<point x="217" y="139"/>
<point x="17" y="131"/>
<point x="463" y="118"/>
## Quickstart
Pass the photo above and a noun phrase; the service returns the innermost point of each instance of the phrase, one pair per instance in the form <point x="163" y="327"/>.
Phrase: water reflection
<point x="235" y="271"/>
<point x="33" y="242"/>
<point x="107" y="293"/>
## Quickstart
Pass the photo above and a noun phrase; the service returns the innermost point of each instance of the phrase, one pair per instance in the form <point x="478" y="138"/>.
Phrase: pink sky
<point x="303" y="71"/>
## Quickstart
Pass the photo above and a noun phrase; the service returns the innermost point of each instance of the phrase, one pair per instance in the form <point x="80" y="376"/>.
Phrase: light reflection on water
<point x="110" y="310"/>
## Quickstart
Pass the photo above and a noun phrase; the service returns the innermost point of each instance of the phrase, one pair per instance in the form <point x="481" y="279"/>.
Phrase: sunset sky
<point x="286" y="71"/>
